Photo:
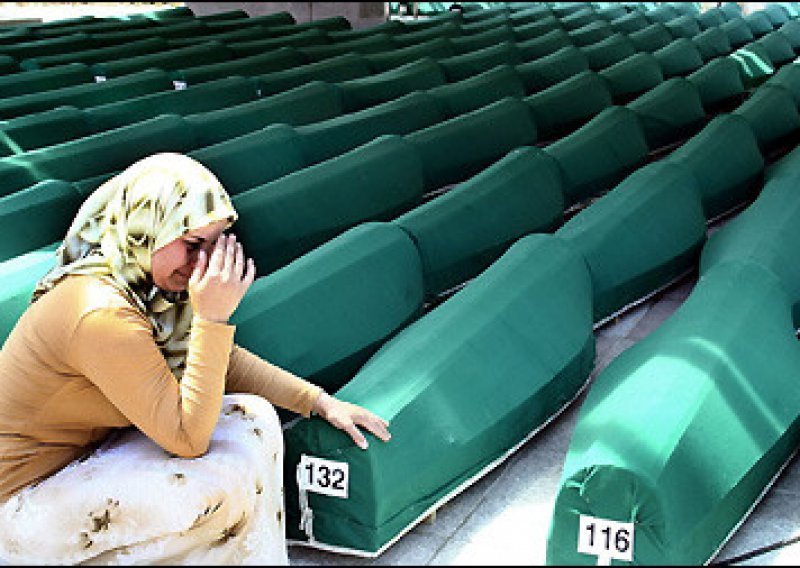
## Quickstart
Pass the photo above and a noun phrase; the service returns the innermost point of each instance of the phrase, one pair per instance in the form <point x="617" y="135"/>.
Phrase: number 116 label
<point x="605" y="539"/>
<point x="323" y="476"/>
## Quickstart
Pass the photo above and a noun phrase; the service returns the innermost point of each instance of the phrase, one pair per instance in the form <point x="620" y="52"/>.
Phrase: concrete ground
<point x="503" y="519"/>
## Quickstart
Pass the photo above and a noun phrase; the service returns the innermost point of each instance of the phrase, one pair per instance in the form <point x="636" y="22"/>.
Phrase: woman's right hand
<point x="219" y="283"/>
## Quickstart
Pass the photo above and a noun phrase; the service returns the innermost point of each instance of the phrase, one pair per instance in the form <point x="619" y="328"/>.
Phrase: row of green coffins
<point x="667" y="479"/>
<point x="497" y="330"/>
<point x="410" y="113"/>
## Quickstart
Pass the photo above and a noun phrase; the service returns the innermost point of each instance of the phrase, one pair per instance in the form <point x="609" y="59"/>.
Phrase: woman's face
<point x="172" y="264"/>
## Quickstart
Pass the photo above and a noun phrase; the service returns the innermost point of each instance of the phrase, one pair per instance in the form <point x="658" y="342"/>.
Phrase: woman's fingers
<point x="199" y="268"/>
<point x="250" y="276"/>
<point x="229" y="257"/>
<point x="378" y="426"/>
<point x="357" y="436"/>
<point x="217" y="256"/>
<point x="238" y="264"/>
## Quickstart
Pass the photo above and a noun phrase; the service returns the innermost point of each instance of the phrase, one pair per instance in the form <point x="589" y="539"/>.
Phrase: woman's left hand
<point x="347" y="416"/>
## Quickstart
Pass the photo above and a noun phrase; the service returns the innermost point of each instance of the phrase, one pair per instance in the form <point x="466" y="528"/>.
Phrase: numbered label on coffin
<point x="605" y="539"/>
<point x="323" y="476"/>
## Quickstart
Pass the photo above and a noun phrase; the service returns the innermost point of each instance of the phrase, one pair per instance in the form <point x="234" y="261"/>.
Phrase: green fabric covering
<point x="670" y="112"/>
<point x="679" y="57"/>
<point x="718" y="81"/>
<point x="591" y="33"/>
<point x="333" y="70"/>
<point x="479" y="90"/>
<point x="390" y="27"/>
<point x="180" y="28"/>
<point x="791" y="31"/>
<point x="546" y="71"/>
<point x="610" y="12"/>
<point x="530" y="13"/>
<point x="96" y="154"/>
<point x="632" y="76"/>
<point x="609" y="51"/>
<point x="683" y="26"/>
<point x="87" y="185"/>
<point x="31" y="82"/>
<point x="711" y="18"/>
<point x="778" y="48"/>
<point x="754" y="63"/>
<point x="463" y="66"/>
<point x="600" y="154"/>
<point x="86" y="95"/>
<point x="712" y="43"/>
<point x="474" y="28"/>
<point x="267" y="20"/>
<point x="640" y="236"/>
<point x="259" y="47"/>
<point x="275" y="60"/>
<point x="226" y="15"/>
<point x="504" y="355"/>
<point x="759" y="23"/>
<point x="458" y="148"/>
<point x="663" y="14"/>
<point x="197" y="98"/>
<point x="688" y="472"/>
<point x="8" y="65"/>
<point x="726" y="161"/>
<point x="437" y="48"/>
<point x="538" y="30"/>
<point x="653" y="37"/>
<point x="377" y="43"/>
<point x="18" y="278"/>
<point x="288" y="217"/>
<point x="332" y="24"/>
<point x="581" y="18"/>
<point x="42" y="129"/>
<point x="738" y="31"/>
<point x="139" y="47"/>
<point x="469" y="43"/>
<point x="460" y="233"/>
<point x="411" y="38"/>
<point x="364" y="92"/>
<point x="311" y="102"/>
<point x="36" y="216"/>
<point x="766" y="232"/>
<point x="788" y="76"/>
<point x="630" y="23"/>
<point x="777" y="14"/>
<point x="301" y="317"/>
<point x="43" y="47"/>
<point x="253" y="33"/>
<point x="731" y="10"/>
<point x="566" y="105"/>
<point x="168" y="60"/>
<point x="772" y="114"/>
<point x="253" y="159"/>
<point x="332" y="137"/>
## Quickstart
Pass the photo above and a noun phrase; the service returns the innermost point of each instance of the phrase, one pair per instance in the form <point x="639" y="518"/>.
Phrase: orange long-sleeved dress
<point x="82" y="361"/>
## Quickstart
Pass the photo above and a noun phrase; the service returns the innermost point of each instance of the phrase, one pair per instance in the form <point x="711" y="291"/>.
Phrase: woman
<point x="130" y="329"/>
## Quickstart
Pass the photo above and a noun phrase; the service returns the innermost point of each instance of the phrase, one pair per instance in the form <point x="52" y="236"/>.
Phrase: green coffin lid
<point x="718" y="81"/>
<point x="41" y="129"/>
<point x="772" y="114"/>
<point x="492" y="364"/>
<point x="479" y="90"/>
<point x="670" y="112"/>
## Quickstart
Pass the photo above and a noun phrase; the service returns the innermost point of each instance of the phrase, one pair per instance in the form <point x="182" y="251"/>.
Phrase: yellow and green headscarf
<point x="153" y="202"/>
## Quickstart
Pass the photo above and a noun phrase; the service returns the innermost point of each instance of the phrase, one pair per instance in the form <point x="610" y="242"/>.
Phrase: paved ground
<point x="503" y="518"/>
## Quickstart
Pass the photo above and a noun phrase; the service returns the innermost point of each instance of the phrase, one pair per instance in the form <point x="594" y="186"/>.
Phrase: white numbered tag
<point x="323" y="476"/>
<point x="605" y="539"/>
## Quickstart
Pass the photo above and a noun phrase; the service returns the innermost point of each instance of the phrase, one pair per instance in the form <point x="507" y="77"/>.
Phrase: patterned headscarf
<point x="153" y="202"/>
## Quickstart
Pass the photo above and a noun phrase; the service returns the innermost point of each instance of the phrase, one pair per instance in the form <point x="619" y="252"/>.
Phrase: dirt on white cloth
<point x="130" y="502"/>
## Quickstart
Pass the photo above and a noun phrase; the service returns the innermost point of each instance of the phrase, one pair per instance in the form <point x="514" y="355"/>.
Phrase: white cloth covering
<point x="130" y="502"/>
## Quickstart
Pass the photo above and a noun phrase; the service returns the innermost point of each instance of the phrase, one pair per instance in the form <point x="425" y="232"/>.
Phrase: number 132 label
<point x="323" y="476"/>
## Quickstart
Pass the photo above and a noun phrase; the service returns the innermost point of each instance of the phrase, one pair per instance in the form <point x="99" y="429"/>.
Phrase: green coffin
<point x="609" y="51"/>
<point x="772" y="114"/>
<point x="167" y="60"/>
<point x="754" y="63"/>
<point x="255" y="158"/>
<point x="364" y="92"/>
<point x="436" y="48"/>
<point x="18" y="278"/>
<point x="778" y="48"/>
<point x="479" y="90"/>
<point x="759" y="23"/>
<point x="632" y="76"/>
<point x="261" y="46"/>
<point x="718" y="81"/>
<point x="567" y="105"/>
<point x="591" y="33"/>
<point x="539" y="46"/>
<point x="639" y="237"/>
<point x="630" y="23"/>
<point x="31" y="82"/>
<point x="286" y="218"/>
<point x="460" y="147"/>
<point x="652" y="38"/>
<point x="791" y="31"/>
<point x="333" y="70"/>
<point x="324" y="314"/>
<point x="683" y="26"/>
<point x="133" y="48"/>
<point x="460" y="67"/>
<point x="274" y="60"/>
<point x="377" y="43"/>
<point x="670" y="112"/>
<point x="335" y="136"/>
<point x="460" y="233"/>
<point x="472" y="41"/>
<point x="684" y="474"/>
<point x="788" y="76"/>
<point x="42" y="129"/>
<point x="679" y="57"/>
<point x="36" y="216"/>
<point x="738" y="31"/>
<point x="600" y="153"/>
<point x="712" y="43"/>
<point x="546" y="71"/>
<point x="726" y="161"/>
<point x="479" y="375"/>
<point x="311" y="102"/>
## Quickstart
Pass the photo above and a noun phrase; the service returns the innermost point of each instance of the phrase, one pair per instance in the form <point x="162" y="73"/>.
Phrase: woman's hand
<point x="347" y="416"/>
<point x="218" y="284"/>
